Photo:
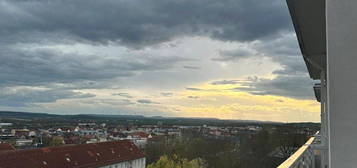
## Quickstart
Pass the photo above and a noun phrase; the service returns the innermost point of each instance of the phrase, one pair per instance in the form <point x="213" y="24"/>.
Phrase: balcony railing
<point x="304" y="157"/>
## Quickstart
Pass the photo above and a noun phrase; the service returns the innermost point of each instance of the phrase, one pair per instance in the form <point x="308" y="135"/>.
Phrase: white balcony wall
<point x="342" y="82"/>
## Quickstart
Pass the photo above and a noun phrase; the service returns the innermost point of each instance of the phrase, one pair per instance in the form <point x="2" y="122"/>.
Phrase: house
<point x="5" y="124"/>
<point x="20" y="133"/>
<point x="139" y="138"/>
<point x="24" y="142"/>
<point x="141" y="135"/>
<point x="115" y="154"/>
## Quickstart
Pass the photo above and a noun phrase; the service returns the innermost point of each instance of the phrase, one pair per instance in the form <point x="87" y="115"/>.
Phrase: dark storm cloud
<point x="232" y="55"/>
<point x="132" y="23"/>
<point x="146" y="101"/>
<point x="19" y="97"/>
<point x="62" y="73"/>
<point x="83" y="84"/>
<point x="194" y="89"/>
<point x="112" y="102"/>
<point x="167" y="94"/>
<point x="226" y="82"/>
<point x="193" y="97"/>
<point x="126" y="95"/>
<point x="283" y="49"/>
<point x="191" y="67"/>
<point x="291" y="79"/>
<point x="47" y="66"/>
<point x="137" y="22"/>
<point x="289" y="86"/>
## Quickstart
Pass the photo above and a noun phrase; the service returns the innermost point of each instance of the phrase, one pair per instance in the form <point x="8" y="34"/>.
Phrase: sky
<point x="227" y="59"/>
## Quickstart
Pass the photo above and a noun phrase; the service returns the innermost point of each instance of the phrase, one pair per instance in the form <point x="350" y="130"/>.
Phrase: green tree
<point x="176" y="162"/>
<point x="52" y="141"/>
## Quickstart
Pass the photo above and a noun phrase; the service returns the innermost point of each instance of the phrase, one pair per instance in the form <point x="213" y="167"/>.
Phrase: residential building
<point x="115" y="154"/>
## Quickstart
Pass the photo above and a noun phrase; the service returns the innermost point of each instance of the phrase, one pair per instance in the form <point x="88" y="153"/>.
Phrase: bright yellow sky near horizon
<point x="207" y="101"/>
<point x="221" y="101"/>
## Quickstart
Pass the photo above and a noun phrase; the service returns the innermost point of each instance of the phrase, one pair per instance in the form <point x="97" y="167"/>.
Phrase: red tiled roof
<point x="6" y="147"/>
<point x="139" y="134"/>
<point x="72" y="156"/>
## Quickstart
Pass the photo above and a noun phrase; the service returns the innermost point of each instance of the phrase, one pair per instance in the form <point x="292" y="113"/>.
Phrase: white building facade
<point x="137" y="163"/>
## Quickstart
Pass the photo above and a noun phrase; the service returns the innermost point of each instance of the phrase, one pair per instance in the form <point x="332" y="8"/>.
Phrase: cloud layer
<point x="140" y="23"/>
<point x="137" y="56"/>
<point x="24" y="96"/>
<point x="290" y="80"/>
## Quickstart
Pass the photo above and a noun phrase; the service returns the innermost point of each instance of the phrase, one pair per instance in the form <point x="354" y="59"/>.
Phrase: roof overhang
<point x="317" y="90"/>
<point x="309" y="19"/>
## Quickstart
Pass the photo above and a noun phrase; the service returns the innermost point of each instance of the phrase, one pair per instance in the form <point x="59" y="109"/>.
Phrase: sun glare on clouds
<point x="223" y="101"/>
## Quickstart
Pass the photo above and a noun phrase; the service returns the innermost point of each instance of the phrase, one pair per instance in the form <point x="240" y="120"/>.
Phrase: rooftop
<point x="74" y="156"/>
<point x="310" y="27"/>
<point x="6" y="147"/>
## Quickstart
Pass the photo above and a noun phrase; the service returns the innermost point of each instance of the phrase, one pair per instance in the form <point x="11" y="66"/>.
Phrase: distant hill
<point x="25" y="115"/>
<point x="31" y="115"/>
<point x="113" y="116"/>
<point x="138" y="118"/>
